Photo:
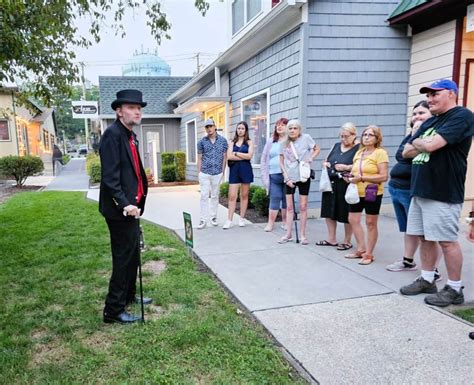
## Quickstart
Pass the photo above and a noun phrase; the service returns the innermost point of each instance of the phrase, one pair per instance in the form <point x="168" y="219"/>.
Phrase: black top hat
<point x="129" y="97"/>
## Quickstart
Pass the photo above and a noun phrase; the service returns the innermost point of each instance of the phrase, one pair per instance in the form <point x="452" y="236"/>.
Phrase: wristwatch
<point x="470" y="218"/>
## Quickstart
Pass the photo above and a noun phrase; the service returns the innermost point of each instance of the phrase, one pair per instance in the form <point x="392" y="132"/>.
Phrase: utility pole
<point x="86" y="125"/>
<point x="197" y="63"/>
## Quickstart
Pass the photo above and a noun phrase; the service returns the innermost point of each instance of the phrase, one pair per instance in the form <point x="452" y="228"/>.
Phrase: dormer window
<point x="243" y="11"/>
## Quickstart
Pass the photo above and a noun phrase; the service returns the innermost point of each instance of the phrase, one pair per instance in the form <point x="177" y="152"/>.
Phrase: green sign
<point x="188" y="229"/>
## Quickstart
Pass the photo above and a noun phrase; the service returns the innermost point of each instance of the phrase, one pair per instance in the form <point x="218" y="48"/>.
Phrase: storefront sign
<point x="188" y="229"/>
<point x="84" y="109"/>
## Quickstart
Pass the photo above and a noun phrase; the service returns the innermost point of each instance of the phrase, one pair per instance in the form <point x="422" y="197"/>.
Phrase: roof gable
<point x="405" y="6"/>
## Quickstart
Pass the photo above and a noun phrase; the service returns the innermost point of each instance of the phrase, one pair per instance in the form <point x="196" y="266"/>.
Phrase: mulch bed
<point x="6" y="191"/>
<point x="252" y="215"/>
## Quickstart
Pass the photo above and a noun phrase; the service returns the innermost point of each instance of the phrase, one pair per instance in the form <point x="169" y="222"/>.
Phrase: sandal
<point x="284" y="239"/>
<point x="325" y="243"/>
<point x="344" y="246"/>
<point x="356" y="255"/>
<point x="367" y="259"/>
<point x="304" y="241"/>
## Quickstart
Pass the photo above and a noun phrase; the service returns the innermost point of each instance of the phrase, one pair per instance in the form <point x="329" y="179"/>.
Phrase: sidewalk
<point x="344" y="323"/>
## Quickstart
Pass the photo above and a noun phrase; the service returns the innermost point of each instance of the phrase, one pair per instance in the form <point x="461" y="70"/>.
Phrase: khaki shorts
<point x="435" y="220"/>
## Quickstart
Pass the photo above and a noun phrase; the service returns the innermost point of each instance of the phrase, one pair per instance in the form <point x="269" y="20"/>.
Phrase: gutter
<point x="223" y="62"/>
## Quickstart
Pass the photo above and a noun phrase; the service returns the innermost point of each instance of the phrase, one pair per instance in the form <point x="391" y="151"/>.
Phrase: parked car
<point x="82" y="150"/>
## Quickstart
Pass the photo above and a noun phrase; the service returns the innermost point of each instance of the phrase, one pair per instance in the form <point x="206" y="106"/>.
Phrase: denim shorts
<point x="401" y="203"/>
<point x="277" y="192"/>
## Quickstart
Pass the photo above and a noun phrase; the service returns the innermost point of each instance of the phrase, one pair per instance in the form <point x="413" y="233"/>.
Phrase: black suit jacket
<point x="119" y="182"/>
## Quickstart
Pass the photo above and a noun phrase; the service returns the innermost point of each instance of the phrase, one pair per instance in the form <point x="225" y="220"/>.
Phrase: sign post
<point x="188" y="230"/>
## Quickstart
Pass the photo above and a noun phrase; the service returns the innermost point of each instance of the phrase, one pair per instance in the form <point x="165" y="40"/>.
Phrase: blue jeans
<point x="277" y="192"/>
<point x="401" y="204"/>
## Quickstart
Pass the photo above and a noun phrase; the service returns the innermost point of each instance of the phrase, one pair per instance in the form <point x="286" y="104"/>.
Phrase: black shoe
<point x="146" y="300"/>
<point x="122" y="318"/>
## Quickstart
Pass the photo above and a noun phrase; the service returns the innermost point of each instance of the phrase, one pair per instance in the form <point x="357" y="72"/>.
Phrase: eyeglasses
<point x="345" y="136"/>
<point x="293" y="128"/>
<point x="368" y="135"/>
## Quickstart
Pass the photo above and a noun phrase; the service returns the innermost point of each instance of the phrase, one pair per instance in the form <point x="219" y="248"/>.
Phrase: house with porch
<point x="323" y="62"/>
<point x="442" y="46"/>
<point x="26" y="130"/>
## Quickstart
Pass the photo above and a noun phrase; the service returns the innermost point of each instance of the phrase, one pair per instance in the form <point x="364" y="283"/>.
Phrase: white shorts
<point x="435" y="220"/>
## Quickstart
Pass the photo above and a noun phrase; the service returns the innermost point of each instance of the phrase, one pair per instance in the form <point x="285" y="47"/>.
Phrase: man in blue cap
<point x="439" y="150"/>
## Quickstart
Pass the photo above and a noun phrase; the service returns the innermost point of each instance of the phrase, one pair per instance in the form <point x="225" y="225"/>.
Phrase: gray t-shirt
<point x="303" y="146"/>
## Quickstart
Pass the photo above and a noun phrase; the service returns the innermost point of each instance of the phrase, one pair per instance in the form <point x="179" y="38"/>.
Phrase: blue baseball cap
<point x="438" y="85"/>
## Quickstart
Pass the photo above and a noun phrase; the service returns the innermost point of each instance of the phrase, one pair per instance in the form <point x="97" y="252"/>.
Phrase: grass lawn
<point x="467" y="314"/>
<point x="55" y="266"/>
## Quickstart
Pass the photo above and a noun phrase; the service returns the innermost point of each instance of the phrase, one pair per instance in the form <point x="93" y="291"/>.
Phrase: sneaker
<point x="445" y="297"/>
<point x="401" y="265"/>
<point x="268" y="228"/>
<point x="227" y="225"/>
<point x="437" y="277"/>
<point x="419" y="286"/>
<point x="202" y="224"/>
<point x="214" y="221"/>
<point x="283" y="227"/>
<point x="242" y="222"/>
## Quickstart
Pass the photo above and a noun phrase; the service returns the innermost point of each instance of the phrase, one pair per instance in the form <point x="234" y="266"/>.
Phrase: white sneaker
<point x="227" y="225"/>
<point x="202" y="224"/>
<point x="268" y="228"/>
<point x="242" y="222"/>
<point x="214" y="221"/>
<point x="283" y="227"/>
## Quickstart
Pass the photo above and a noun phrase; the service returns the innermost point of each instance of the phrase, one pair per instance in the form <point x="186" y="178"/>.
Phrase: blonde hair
<point x="378" y="135"/>
<point x="350" y="128"/>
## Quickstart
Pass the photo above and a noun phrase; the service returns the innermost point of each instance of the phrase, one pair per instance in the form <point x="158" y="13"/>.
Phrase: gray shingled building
<point x="159" y="121"/>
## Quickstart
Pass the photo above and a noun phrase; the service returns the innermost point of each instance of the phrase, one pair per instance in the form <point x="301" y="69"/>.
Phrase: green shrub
<point x="93" y="168"/>
<point x="224" y="190"/>
<point x="168" y="173"/>
<point x="66" y="159"/>
<point x="167" y="158"/>
<point x="252" y="190"/>
<point x="180" y="161"/>
<point x="260" y="200"/>
<point x="20" y="167"/>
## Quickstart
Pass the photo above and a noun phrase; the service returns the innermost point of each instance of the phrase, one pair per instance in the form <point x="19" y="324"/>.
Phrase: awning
<point x="201" y="104"/>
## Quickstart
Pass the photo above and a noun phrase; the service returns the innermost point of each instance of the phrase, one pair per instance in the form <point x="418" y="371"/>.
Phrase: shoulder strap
<point x="294" y="151"/>
<point x="360" y="163"/>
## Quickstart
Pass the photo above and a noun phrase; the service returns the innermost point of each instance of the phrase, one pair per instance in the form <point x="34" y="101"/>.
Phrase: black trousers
<point x="125" y="244"/>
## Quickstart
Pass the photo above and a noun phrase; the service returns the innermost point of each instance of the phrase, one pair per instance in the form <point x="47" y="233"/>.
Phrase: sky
<point x="190" y="33"/>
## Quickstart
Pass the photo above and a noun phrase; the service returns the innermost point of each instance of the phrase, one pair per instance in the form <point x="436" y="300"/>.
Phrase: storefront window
<point x="255" y="113"/>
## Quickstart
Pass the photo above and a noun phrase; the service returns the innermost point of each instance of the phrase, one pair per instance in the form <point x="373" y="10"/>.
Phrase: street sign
<point x="84" y="109"/>
<point x="188" y="229"/>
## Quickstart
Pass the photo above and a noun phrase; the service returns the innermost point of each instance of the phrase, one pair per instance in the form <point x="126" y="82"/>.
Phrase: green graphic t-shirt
<point x="441" y="175"/>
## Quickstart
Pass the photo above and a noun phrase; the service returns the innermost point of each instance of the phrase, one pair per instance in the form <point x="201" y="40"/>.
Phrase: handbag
<point x="352" y="195"/>
<point x="304" y="168"/>
<point x="371" y="189"/>
<point x="324" y="182"/>
<point x="230" y="163"/>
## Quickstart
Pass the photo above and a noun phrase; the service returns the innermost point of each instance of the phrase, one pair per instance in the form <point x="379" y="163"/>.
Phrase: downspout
<point x="14" y="120"/>
<point x="217" y="81"/>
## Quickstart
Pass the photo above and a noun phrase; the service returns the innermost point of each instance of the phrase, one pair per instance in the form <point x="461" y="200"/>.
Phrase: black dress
<point x="333" y="204"/>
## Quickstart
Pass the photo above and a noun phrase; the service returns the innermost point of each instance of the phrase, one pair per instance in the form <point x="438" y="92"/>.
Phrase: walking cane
<point x="141" y="247"/>
<point x="295" y="217"/>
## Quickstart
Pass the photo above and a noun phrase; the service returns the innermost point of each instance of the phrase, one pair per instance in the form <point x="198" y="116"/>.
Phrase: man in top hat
<point x="123" y="190"/>
<point x="439" y="150"/>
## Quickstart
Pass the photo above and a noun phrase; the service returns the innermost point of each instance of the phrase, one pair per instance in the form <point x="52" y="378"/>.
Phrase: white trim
<point x="264" y="91"/>
<point x="246" y="23"/>
<point x="195" y="139"/>
<point x="143" y="138"/>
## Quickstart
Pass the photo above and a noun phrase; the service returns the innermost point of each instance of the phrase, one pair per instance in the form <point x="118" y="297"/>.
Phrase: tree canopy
<point x="38" y="38"/>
